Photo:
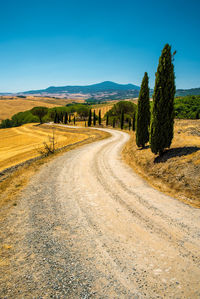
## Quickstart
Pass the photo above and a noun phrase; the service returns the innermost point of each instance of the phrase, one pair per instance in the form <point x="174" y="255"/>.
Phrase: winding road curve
<point x="88" y="227"/>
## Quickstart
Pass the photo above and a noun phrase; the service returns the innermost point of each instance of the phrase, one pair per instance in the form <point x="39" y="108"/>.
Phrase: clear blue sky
<point x="61" y="42"/>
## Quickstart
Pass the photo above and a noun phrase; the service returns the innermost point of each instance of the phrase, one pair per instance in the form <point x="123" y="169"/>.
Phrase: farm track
<point x="88" y="227"/>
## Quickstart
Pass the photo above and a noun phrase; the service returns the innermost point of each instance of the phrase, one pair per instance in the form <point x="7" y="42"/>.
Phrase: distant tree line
<point x="43" y="114"/>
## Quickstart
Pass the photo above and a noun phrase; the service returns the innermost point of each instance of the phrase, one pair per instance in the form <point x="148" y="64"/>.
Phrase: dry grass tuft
<point x="178" y="172"/>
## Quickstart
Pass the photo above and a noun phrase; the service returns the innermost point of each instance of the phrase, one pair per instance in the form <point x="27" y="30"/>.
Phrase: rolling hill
<point x="106" y="90"/>
<point x="106" y="86"/>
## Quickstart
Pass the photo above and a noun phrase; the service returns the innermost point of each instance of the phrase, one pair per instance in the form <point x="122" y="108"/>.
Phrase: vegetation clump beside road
<point x="187" y="107"/>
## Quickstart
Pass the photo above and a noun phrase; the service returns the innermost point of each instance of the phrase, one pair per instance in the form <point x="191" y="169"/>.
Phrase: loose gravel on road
<point x="87" y="226"/>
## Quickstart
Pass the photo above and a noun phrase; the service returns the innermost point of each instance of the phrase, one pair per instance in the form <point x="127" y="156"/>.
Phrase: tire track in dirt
<point x="88" y="227"/>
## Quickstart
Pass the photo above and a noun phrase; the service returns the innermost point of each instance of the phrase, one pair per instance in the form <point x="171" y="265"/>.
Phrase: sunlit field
<point x="22" y="143"/>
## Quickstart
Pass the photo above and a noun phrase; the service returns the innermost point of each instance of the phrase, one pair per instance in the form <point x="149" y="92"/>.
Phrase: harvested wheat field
<point x="103" y="107"/>
<point x="22" y="143"/>
<point x="177" y="172"/>
<point x="10" y="106"/>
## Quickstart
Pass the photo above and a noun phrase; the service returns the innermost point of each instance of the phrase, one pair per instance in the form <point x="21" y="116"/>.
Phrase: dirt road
<point x="86" y="226"/>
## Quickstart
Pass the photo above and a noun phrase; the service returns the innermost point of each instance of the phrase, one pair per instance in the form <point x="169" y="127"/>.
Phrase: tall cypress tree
<point x="55" y="118"/>
<point x="143" y="114"/>
<point x="100" y="117"/>
<point x="94" y="118"/>
<point x="69" y="118"/>
<point x="107" y="120"/>
<point x="66" y="118"/>
<point x="162" y="121"/>
<point x="114" y="122"/>
<point x="133" y="123"/>
<point x="129" y="124"/>
<point x="90" y="118"/>
<point x="74" y="120"/>
<point x="122" y="120"/>
<point x="61" y="117"/>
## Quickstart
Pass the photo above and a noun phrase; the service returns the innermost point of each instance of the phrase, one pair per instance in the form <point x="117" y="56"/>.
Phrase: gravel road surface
<point x="87" y="226"/>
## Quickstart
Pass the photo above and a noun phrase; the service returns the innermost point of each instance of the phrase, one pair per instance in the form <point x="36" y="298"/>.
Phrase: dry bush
<point x="49" y="147"/>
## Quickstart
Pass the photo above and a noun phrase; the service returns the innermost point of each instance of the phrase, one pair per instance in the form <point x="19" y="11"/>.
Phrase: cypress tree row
<point x="90" y="118"/>
<point x="94" y="118"/>
<point x="100" y="117"/>
<point x="107" y="119"/>
<point x="162" y="122"/>
<point x="122" y="120"/>
<point x="143" y="114"/>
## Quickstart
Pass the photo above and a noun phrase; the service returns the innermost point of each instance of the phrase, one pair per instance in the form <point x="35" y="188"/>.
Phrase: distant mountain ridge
<point x="188" y="92"/>
<point x="99" y="87"/>
<point x="106" y="90"/>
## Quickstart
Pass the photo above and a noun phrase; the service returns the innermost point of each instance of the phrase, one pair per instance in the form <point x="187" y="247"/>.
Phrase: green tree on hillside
<point x="162" y="122"/>
<point x="94" y="118"/>
<point x="90" y="118"/>
<point x="133" y="122"/>
<point x="99" y="116"/>
<point x="122" y="120"/>
<point x="66" y="118"/>
<point x="107" y="120"/>
<point x="55" y="118"/>
<point x="143" y="114"/>
<point x="82" y="112"/>
<point x="40" y="112"/>
<point x="114" y="122"/>
<point x="129" y="124"/>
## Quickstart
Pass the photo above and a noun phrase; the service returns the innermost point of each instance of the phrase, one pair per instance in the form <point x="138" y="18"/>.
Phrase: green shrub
<point x="187" y="107"/>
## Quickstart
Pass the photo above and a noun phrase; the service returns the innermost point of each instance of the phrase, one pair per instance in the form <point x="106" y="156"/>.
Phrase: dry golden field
<point x="10" y="106"/>
<point x="103" y="107"/>
<point x="178" y="171"/>
<point x="22" y="143"/>
<point x="12" y="183"/>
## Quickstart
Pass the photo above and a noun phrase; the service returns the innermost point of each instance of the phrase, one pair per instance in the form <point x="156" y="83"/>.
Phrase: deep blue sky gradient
<point x="57" y="42"/>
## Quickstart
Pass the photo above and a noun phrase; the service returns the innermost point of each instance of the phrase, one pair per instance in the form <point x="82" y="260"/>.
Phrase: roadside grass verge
<point x="177" y="173"/>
